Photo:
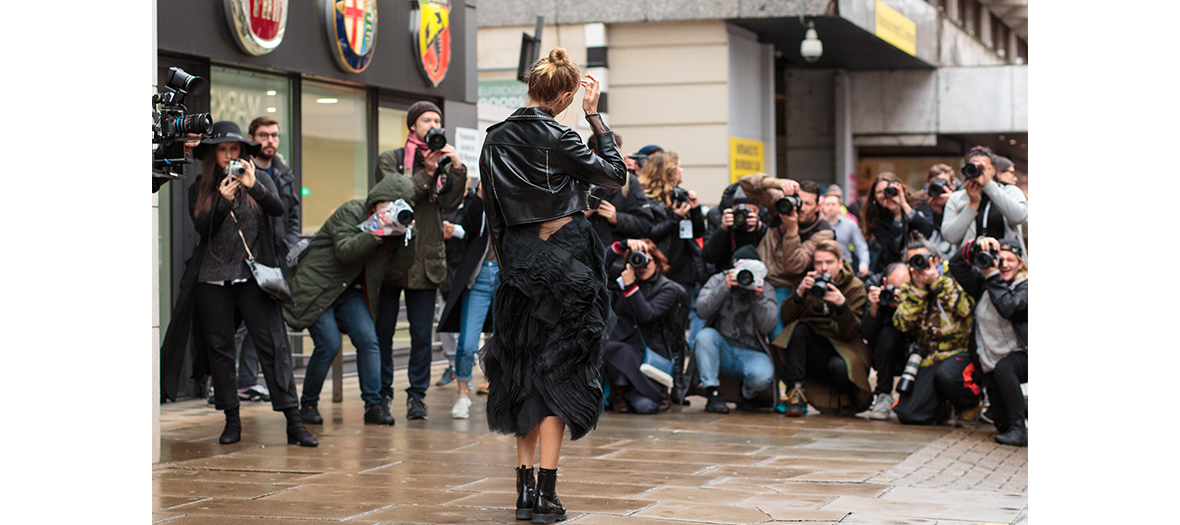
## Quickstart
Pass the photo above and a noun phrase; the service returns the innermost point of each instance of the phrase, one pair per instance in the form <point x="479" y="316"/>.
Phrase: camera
<point x="436" y="139"/>
<point x="401" y="213"/>
<point x="920" y="261"/>
<point x="888" y="295"/>
<point x="597" y="195"/>
<point x="639" y="260"/>
<point x="236" y="168"/>
<point x="750" y="273"/>
<point x="787" y="205"/>
<point x="679" y="196"/>
<point x="890" y="190"/>
<point x="912" y="364"/>
<point x="983" y="259"/>
<point x="938" y="187"/>
<point x="972" y="170"/>
<point x="821" y="286"/>
<point x="640" y="160"/>
<point x="740" y="216"/>
<point x="171" y="125"/>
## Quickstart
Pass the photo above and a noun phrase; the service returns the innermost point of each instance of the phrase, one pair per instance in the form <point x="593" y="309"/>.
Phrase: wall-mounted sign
<point x="895" y="28"/>
<point x="352" y="29"/>
<point x="430" y="26"/>
<point x="745" y="157"/>
<point x="503" y="93"/>
<point x="257" y="25"/>
<point x="468" y="145"/>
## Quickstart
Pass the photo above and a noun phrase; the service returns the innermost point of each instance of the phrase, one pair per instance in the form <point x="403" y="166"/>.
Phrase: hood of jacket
<point x="390" y="189"/>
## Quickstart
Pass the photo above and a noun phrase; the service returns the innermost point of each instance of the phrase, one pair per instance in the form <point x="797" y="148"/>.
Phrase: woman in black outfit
<point x="660" y="176"/>
<point x="230" y="214"/>
<point x="888" y="220"/>
<point x="552" y="309"/>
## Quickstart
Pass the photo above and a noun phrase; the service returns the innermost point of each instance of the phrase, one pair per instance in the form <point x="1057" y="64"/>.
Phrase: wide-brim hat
<point x="226" y="131"/>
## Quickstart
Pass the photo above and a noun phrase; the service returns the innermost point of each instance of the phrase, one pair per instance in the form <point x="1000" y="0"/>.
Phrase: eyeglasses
<point x="264" y="136"/>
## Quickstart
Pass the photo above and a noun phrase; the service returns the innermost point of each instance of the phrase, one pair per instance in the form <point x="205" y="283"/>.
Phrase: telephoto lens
<point x="890" y="191"/>
<point x="911" y="372"/>
<point x="638" y="260"/>
<point x="436" y="138"/>
<point x="787" y="205"/>
<point x="740" y="216"/>
<point x="198" y="123"/>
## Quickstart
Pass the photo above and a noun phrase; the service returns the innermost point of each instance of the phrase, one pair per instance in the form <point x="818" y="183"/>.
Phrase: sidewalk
<point x="682" y="466"/>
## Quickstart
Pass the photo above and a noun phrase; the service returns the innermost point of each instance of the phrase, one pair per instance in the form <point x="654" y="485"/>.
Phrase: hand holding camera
<point x="739" y="219"/>
<point x="391" y="218"/>
<point x="923" y="269"/>
<point x="749" y="274"/>
<point x="242" y="171"/>
<point x="985" y="255"/>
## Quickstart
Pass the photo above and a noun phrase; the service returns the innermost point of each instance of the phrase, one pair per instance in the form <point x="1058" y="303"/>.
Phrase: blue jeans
<point x="781" y="293"/>
<point x="420" y="314"/>
<point x="476" y="303"/>
<point x="350" y="313"/>
<point x="715" y="357"/>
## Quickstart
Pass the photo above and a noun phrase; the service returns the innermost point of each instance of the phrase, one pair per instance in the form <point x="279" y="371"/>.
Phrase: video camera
<point x="171" y="125"/>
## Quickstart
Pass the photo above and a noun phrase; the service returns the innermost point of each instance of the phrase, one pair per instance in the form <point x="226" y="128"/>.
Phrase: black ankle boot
<point x="233" y="428"/>
<point x="296" y="432"/>
<point x="1016" y="435"/>
<point x="547" y="508"/>
<point x="526" y="493"/>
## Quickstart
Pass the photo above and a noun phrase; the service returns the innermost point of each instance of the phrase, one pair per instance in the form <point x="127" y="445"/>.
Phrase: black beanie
<point x="418" y="109"/>
<point x="746" y="252"/>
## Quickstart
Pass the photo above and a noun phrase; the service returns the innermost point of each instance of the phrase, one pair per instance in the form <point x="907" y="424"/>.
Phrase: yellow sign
<point x="745" y="157"/>
<point x="895" y="28"/>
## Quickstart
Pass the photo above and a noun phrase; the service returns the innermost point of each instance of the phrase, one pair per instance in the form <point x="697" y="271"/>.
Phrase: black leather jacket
<point x="537" y="169"/>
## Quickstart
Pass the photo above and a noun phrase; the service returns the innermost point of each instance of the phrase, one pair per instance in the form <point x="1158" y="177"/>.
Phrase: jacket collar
<point x="530" y="113"/>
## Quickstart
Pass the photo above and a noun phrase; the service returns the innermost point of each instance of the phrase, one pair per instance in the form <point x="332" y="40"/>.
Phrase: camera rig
<point x="171" y="126"/>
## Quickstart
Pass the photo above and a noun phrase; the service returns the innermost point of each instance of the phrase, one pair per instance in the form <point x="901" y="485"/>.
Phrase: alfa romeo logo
<point x="257" y="25"/>
<point x="352" y="29"/>
<point x="431" y="29"/>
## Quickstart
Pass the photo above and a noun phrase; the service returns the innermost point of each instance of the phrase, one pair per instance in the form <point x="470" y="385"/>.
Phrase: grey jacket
<point x="743" y="318"/>
<point x="958" y="219"/>
<point x="848" y="234"/>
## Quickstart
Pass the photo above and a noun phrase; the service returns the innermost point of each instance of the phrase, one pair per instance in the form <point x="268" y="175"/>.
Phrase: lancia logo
<point x="352" y="28"/>
<point x="431" y="29"/>
<point x="257" y="25"/>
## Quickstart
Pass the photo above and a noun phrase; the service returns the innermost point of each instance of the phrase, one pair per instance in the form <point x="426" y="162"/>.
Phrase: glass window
<point x="241" y="96"/>
<point x="335" y="151"/>
<point x="391" y="128"/>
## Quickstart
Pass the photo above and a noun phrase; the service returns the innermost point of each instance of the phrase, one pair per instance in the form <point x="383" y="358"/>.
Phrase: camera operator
<point x="739" y="311"/>
<point x="940" y="184"/>
<point x="432" y="196"/>
<point x="937" y="311"/>
<point x="821" y="343"/>
<point x="848" y="236"/>
<point x="888" y="220"/>
<point x="985" y="207"/>
<point x="886" y="341"/>
<point x="644" y="303"/>
<point x="996" y="276"/>
<point x="788" y="246"/>
<point x="740" y="225"/>
<point x="621" y="213"/>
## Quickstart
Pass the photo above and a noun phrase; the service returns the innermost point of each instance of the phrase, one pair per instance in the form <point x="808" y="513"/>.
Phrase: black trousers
<point x="809" y="354"/>
<point x="949" y="380"/>
<point x="1003" y="389"/>
<point x="889" y="354"/>
<point x="420" y="315"/>
<point x="217" y="307"/>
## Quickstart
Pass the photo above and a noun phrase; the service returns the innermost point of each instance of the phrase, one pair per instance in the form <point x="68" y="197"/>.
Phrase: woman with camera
<point x="888" y="219"/>
<point x="678" y="218"/>
<point x="644" y="300"/>
<point x="996" y="275"/>
<point x="231" y="203"/>
<point x="552" y="310"/>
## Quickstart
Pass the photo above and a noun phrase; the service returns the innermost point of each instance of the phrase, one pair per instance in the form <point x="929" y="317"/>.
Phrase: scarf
<point x="413" y="144"/>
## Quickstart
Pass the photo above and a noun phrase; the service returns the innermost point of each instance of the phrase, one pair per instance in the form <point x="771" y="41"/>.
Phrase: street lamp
<point x="811" y="48"/>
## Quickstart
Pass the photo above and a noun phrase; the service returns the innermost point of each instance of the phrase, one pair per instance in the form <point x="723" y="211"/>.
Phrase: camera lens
<point x="199" y="123"/>
<point x="740" y="216"/>
<point x="436" y="138"/>
<point x="745" y="277"/>
<point x="972" y="170"/>
<point x="405" y="217"/>
<point x="235" y="169"/>
<point x="179" y="79"/>
<point x="887" y="295"/>
<point x="787" y="205"/>
<point x="890" y="191"/>
<point x="919" y="261"/>
<point x="638" y="260"/>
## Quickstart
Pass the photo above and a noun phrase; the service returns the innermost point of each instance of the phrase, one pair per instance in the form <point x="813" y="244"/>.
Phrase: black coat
<point x="889" y="239"/>
<point x="286" y="226"/>
<point x="1010" y="299"/>
<point x="684" y="255"/>
<point x="471" y="256"/>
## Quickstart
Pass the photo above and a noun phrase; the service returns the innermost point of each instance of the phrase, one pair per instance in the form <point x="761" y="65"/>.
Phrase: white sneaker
<point x="882" y="406"/>
<point x="462" y="408"/>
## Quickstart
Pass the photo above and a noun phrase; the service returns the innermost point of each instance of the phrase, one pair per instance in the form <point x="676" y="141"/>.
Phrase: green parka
<point x="430" y="260"/>
<point x="341" y="251"/>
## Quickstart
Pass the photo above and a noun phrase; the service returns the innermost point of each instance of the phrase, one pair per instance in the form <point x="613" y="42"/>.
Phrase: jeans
<point x="347" y="312"/>
<point x="247" y="358"/>
<point x="781" y="293"/>
<point x="715" y="356"/>
<point x="477" y="303"/>
<point x="420" y="314"/>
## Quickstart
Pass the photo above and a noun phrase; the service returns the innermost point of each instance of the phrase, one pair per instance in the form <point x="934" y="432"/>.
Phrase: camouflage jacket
<point x="939" y="318"/>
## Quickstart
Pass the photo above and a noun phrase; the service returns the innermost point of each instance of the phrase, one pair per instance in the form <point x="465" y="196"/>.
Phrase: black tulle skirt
<point x="552" y="316"/>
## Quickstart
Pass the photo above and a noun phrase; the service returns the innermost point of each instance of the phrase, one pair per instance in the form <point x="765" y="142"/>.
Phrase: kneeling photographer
<point x="939" y="370"/>
<point x="888" y="344"/>
<point x="650" y="309"/>
<point x="996" y="275"/>
<point x="820" y="347"/>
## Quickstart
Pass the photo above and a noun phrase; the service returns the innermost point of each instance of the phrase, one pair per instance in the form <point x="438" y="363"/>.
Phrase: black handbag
<point x="269" y="278"/>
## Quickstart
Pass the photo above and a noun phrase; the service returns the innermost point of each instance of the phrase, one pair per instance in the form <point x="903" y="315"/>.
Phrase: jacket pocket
<point x="436" y="268"/>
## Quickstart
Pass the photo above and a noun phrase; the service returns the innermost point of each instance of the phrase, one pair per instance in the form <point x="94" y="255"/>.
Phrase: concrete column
<point x="155" y="346"/>
<point x="845" y="160"/>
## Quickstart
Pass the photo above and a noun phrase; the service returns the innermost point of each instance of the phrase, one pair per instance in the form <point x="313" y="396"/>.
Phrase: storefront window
<point x="391" y="128"/>
<point x="241" y="96"/>
<point x="335" y="151"/>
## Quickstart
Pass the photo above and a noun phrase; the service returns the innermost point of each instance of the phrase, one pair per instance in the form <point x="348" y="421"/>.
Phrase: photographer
<point x="999" y="283"/>
<point x="678" y="218"/>
<point x="645" y="303"/>
<point x="788" y="247"/>
<point x="432" y="196"/>
<point x="937" y="311"/>
<point x="886" y="341"/>
<point x="621" y="213"/>
<point x="888" y="221"/>
<point x="985" y="207"/>
<point x="940" y="184"/>
<point x="737" y="318"/>
<point x="740" y="225"/>
<point x="821" y="344"/>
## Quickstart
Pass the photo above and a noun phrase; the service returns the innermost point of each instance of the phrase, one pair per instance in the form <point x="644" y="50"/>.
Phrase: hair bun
<point x="558" y="56"/>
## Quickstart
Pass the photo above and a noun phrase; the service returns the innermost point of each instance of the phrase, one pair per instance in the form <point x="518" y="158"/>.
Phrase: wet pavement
<point x="681" y="466"/>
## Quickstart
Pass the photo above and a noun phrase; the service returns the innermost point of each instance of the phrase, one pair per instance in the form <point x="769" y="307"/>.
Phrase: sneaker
<point x="448" y="375"/>
<point x="747" y="405"/>
<point x="209" y="398"/>
<point x="254" y="393"/>
<point x="796" y="402"/>
<point x="415" y="408"/>
<point x="656" y="375"/>
<point x="882" y="406"/>
<point x="716" y="403"/>
<point x="377" y="415"/>
<point x="968" y="416"/>
<point x="310" y="415"/>
<point x="462" y="408"/>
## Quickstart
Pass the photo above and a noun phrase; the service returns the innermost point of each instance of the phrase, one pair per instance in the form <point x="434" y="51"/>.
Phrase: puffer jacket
<point x="939" y="318"/>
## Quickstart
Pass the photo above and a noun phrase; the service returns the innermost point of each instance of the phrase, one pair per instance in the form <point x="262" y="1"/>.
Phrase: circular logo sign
<point x="257" y="25"/>
<point x="352" y="29"/>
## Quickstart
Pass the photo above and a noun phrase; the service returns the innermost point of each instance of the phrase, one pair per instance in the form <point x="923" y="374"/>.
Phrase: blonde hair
<point x="830" y="246"/>
<point x="553" y="76"/>
<point x="658" y="176"/>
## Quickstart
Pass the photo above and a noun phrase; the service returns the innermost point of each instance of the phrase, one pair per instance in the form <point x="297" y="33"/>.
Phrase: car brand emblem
<point x="257" y="25"/>
<point x="352" y="29"/>
<point x="431" y="29"/>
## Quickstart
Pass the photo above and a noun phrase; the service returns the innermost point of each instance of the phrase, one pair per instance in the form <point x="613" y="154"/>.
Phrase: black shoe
<point x="310" y="414"/>
<point x="716" y="403"/>
<point x="296" y="432"/>
<point x="378" y="415"/>
<point x="547" y="508"/>
<point x="415" y="408"/>
<point x="796" y="403"/>
<point x="526" y="493"/>
<point x="233" y="428"/>
<point x="747" y="405"/>
<point x="1017" y="434"/>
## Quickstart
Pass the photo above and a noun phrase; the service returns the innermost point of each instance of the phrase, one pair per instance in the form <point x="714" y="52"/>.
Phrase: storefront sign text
<point x="745" y="157"/>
